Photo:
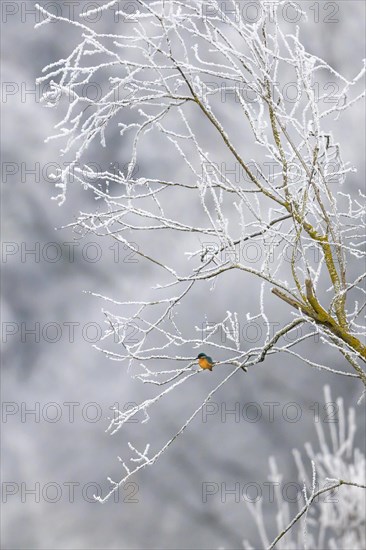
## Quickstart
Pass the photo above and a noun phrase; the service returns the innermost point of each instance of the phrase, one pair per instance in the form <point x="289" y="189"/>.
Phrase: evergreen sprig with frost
<point x="165" y="69"/>
<point x="332" y="513"/>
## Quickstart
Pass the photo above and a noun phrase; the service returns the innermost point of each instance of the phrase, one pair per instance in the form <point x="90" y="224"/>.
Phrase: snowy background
<point x="71" y="383"/>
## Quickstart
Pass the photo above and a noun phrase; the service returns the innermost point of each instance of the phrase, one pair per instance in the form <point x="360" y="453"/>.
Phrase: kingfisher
<point x="205" y="361"/>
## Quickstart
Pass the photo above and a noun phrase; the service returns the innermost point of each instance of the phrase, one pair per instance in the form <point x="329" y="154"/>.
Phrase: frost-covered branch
<point x="336" y="464"/>
<point x="192" y="89"/>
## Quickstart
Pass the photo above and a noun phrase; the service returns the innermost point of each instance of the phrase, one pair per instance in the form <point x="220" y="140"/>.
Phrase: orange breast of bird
<point x="204" y="364"/>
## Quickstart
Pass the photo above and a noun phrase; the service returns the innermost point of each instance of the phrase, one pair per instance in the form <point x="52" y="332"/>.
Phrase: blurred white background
<point x="170" y="512"/>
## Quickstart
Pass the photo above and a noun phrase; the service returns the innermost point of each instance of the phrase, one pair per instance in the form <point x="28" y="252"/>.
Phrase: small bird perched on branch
<point x="204" y="361"/>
